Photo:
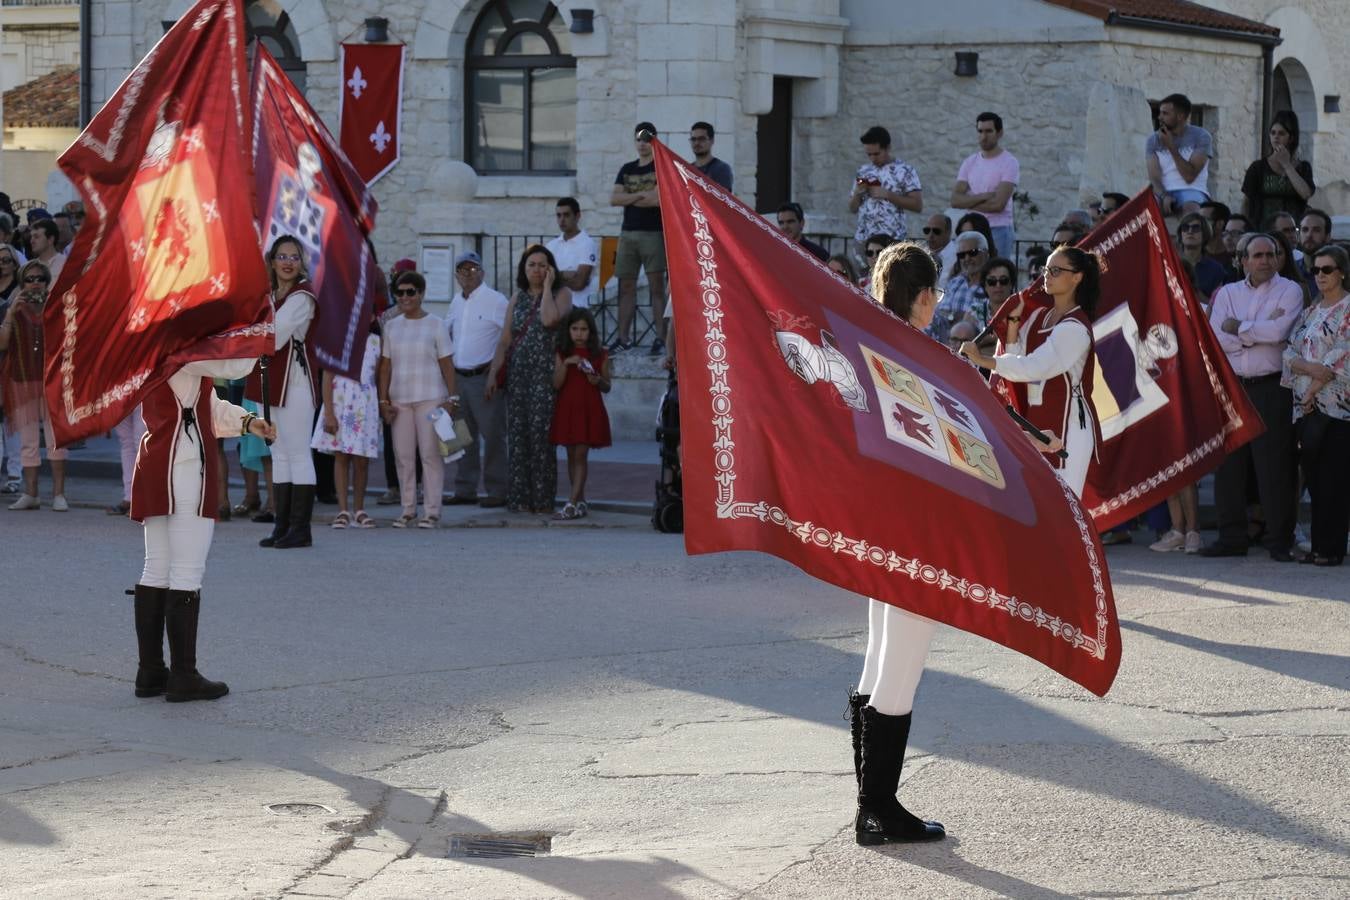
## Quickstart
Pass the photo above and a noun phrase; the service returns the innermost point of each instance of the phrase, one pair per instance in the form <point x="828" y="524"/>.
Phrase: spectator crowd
<point x="516" y="373"/>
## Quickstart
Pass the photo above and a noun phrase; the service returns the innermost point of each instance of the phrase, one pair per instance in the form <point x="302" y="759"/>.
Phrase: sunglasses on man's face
<point x="407" y="292"/>
<point x="934" y="230"/>
<point x="1193" y="226"/>
<point x="965" y="254"/>
<point x="1323" y="270"/>
<point x="869" y="253"/>
<point x="1001" y="281"/>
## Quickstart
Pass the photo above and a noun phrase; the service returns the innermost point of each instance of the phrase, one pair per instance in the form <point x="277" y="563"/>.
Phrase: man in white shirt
<point x="576" y="252"/>
<point x="475" y="321"/>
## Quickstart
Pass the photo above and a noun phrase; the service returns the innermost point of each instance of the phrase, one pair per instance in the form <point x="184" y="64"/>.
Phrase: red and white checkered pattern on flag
<point x="820" y="428"/>
<point x="371" y="112"/>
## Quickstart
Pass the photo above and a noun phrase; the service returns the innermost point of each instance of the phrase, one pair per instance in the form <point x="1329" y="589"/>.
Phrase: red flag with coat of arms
<point x="165" y="269"/>
<point x="1169" y="403"/>
<point x="371" y="112"/>
<point x="819" y="428"/>
<point x="309" y="191"/>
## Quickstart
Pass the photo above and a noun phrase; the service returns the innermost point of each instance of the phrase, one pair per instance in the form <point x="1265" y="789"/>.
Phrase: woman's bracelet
<point x="1013" y="319"/>
<point x="246" y="423"/>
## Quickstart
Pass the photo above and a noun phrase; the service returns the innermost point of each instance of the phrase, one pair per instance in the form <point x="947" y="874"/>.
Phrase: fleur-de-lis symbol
<point x="381" y="138"/>
<point x="357" y="83"/>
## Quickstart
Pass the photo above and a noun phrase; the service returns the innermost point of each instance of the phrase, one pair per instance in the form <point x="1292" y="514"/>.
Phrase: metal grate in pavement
<point x="499" y="846"/>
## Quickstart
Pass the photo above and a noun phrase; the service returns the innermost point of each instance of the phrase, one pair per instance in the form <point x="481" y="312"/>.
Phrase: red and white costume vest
<point x="294" y="352"/>
<point x="1064" y="404"/>
<point x="181" y="428"/>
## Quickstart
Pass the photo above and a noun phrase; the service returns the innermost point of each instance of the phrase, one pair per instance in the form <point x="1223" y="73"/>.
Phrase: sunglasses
<point x="1056" y="271"/>
<point x="1001" y="281"/>
<point x="287" y="257"/>
<point x="407" y="292"/>
<point x="35" y="279"/>
<point x="1323" y="270"/>
<point x="968" y="253"/>
<point x="870" y="253"/>
<point x="1193" y="226"/>
<point x="935" y="231"/>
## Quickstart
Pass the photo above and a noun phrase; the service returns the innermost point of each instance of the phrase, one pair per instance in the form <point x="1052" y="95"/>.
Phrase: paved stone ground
<point x="672" y="723"/>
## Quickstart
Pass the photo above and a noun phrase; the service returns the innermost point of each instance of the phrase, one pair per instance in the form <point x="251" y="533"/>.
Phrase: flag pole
<point x="266" y="393"/>
<point x="1033" y="430"/>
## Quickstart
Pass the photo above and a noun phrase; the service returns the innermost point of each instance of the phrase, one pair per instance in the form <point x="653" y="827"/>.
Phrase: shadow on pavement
<point x="1319" y="668"/>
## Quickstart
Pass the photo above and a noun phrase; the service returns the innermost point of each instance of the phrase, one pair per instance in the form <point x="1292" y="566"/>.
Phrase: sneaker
<point x="658" y="348"/>
<point x="1112" y="538"/>
<point x="12" y="487"/>
<point x="26" y="501"/>
<point x="1193" y="542"/>
<point x="618" y="346"/>
<point x="59" y="503"/>
<point x="388" y="498"/>
<point x="1301" y="539"/>
<point x="1173" y="540"/>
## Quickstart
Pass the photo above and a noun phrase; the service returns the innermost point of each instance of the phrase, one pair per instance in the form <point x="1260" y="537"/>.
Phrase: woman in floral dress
<point x="526" y="351"/>
<point x="350" y="429"/>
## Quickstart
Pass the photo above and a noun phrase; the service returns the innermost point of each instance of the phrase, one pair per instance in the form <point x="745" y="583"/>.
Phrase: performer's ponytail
<point x="902" y="272"/>
<point x="1089" y="290"/>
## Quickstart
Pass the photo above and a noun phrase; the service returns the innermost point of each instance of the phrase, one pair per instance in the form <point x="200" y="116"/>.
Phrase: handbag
<point x="511" y="350"/>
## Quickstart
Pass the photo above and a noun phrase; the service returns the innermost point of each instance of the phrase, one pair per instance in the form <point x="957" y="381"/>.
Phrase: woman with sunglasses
<point x="1193" y="236"/>
<point x="872" y="248"/>
<point x="1051" y="352"/>
<point x="1317" y="369"/>
<point x="293" y="392"/>
<point x="881" y="708"/>
<point x="21" y="373"/>
<point x="9" y="271"/>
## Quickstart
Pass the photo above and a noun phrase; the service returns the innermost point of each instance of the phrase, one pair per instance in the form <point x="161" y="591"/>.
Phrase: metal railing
<point x="39" y="3"/>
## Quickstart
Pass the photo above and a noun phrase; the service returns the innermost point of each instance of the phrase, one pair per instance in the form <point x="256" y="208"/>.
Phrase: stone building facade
<point x="791" y="84"/>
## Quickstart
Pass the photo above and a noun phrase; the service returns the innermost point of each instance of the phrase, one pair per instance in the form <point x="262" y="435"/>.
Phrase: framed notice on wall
<point x="438" y="266"/>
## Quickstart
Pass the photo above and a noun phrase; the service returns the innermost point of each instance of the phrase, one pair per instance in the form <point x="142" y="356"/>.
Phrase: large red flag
<point x="1170" y="406"/>
<point x="370" y="117"/>
<point x="166" y="267"/>
<point x="310" y="191"/>
<point x="817" y="427"/>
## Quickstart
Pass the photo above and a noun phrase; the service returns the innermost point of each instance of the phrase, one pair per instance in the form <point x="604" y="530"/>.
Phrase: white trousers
<point x="897" y="647"/>
<point x="291" y="459"/>
<point x="176" y="545"/>
<point x="128" y="433"/>
<point x="10" y="445"/>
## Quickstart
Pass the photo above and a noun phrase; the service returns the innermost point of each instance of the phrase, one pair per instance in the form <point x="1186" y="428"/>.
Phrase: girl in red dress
<point x="581" y="373"/>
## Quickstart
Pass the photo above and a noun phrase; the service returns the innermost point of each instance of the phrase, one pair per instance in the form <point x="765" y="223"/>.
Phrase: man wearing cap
<point x="641" y="241"/>
<point x="475" y="321"/>
<point x="575" y="251"/>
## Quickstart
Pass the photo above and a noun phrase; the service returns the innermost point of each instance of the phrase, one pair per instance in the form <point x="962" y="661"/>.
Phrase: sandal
<point x="582" y="509"/>
<point x="363" y="519"/>
<point x="428" y="521"/>
<point x="569" y="511"/>
<point x="223" y="513"/>
<point x="247" y="508"/>
<point x="342" y="520"/>
<point x="404" y="520"/>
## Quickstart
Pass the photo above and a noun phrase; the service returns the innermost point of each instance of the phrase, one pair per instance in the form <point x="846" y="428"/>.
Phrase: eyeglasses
<point x="35" y="279"/>
<point x="1323" y="270"/>
<point x="1056" y="271"/>
<point x="869" y="252"/>
<point x="938" y="295"/>
<point x="7" y="260"/>
<point x="1001" y="281"/>
<point x="964" y="254"/>
<point x="1192" y="226"/>
<point x="407" y="292"/>
<point x="287" y="257"/>
<point x="934" y="230"/>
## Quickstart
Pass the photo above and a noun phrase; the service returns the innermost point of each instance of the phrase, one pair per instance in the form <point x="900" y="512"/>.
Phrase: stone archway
<point x="1294" y="91"/>
<point x="441" y="33"/>
<point x="313" y="28"/>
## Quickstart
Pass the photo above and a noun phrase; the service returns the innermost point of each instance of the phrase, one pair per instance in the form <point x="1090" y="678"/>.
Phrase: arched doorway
<point x="269" y="22"/>
<point x="1293" y="90"/>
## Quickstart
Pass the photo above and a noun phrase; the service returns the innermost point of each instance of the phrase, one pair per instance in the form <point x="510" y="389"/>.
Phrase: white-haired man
<point x="964" y="299"/>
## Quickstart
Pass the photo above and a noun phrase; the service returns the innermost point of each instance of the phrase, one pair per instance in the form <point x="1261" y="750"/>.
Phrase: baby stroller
<point x="668" y="511"/>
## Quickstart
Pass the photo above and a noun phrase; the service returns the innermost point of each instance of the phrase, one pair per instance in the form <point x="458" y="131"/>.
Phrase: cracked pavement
<point x="673" y="723"/>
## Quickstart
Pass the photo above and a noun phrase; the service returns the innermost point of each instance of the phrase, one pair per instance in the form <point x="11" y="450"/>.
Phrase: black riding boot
<point x="856" y="702"/>
<point x="881" y="819"/>
<point x="185" y="682"/>
<point x="151" y="674"/>
<point x="281" y="509"/>
<point x="302" y="508"/>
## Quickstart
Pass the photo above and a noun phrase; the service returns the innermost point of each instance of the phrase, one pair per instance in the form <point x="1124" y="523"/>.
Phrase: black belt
<point x="470" y="373"/>
<point x="1260" y="379"/>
